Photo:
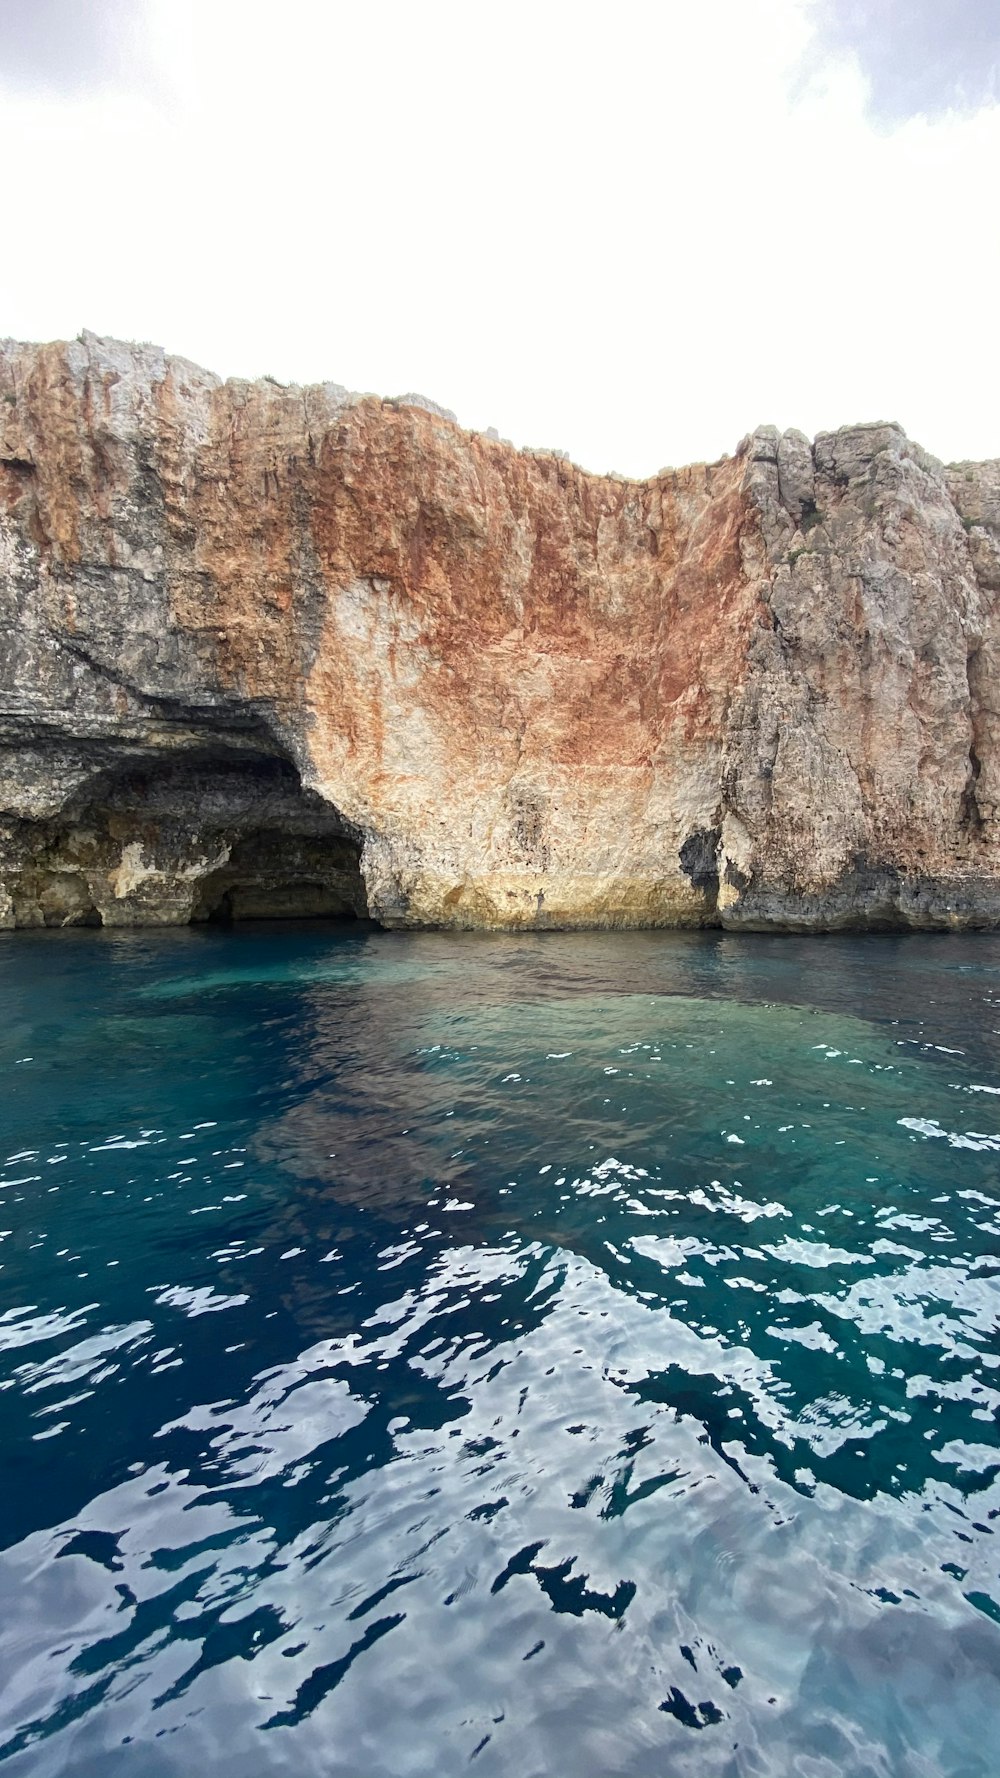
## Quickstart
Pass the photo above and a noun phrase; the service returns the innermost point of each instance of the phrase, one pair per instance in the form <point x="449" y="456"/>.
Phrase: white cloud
<point x="917" y="57"/>
<point x="59" y="46"/>
<point x="631" y="232"/>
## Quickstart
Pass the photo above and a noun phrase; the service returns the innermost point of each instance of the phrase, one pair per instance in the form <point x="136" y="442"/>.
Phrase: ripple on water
<point x="465" y="1353"/>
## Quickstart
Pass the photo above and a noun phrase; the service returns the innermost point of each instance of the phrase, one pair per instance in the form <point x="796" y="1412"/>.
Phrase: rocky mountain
<point x="276" y="650"/>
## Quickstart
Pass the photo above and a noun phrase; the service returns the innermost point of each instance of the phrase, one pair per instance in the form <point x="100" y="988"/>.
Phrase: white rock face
<point x="279" y="650"/>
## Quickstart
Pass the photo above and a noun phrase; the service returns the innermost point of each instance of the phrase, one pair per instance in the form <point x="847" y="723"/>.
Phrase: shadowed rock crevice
<point x="699" y="859"/>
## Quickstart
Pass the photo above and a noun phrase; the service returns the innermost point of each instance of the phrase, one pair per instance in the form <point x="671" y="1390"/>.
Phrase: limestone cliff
<point x="272" y="650"/>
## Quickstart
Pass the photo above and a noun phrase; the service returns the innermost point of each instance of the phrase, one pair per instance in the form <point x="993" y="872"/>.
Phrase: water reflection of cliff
<point x="369" y="1128"/>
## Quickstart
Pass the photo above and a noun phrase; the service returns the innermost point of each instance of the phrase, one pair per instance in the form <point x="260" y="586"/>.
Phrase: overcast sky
<point x="631" y="230"/>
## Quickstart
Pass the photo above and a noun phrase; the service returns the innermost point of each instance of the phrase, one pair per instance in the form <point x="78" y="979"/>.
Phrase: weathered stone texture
<point x="268" y="650"/>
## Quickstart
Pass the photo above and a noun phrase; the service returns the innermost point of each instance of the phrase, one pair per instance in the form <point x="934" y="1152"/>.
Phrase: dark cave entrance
<point x="220" y="831"/>
<point x="272" y="874"/>
<point x="284" y="853"/>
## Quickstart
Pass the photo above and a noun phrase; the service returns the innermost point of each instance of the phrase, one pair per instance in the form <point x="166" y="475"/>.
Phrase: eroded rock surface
<point x="275" y="650"/>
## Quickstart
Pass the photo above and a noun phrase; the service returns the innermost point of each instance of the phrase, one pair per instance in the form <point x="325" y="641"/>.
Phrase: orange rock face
<point x="261" y="637"/>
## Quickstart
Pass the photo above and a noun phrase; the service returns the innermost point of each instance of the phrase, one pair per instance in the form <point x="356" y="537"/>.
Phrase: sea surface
<point x="564" y="1356"/>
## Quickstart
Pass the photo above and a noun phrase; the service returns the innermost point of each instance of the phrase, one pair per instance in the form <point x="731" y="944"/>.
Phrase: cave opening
<point x="272" y="874"/>
<point x="272" y="850"/>
<point x="219" y="832"/>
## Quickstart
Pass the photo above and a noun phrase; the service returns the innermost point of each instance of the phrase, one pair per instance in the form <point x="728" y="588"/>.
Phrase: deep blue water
<point x="568" y="1355"/>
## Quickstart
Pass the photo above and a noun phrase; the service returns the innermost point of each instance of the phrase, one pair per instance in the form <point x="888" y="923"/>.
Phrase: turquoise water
<point x="567" y="1355"/>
